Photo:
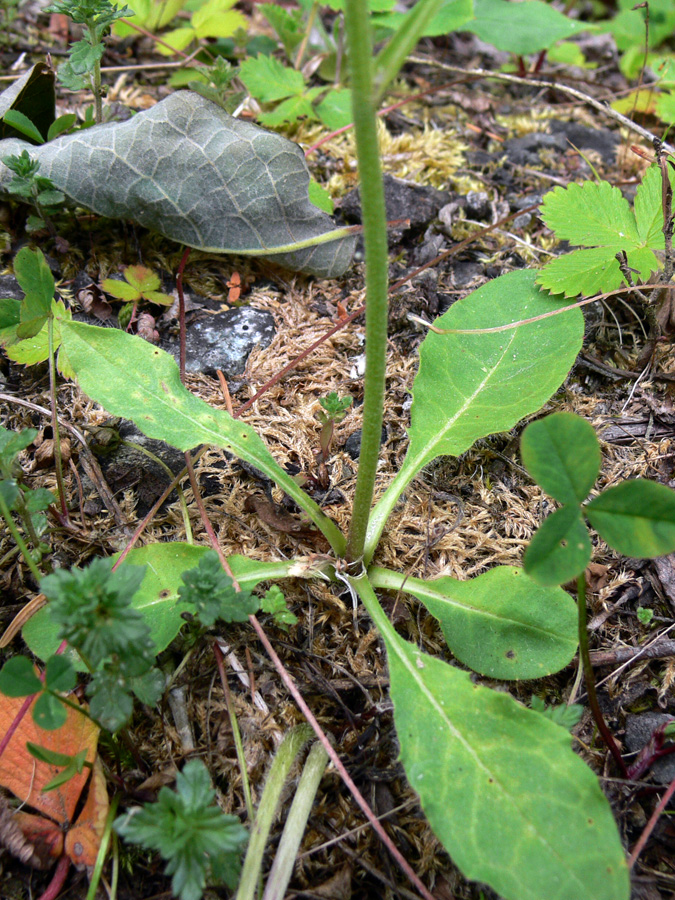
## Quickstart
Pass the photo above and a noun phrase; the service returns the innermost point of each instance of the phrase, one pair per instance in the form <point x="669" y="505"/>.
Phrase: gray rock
<point x="225" y="341"/>
<point x="9" y="288"/>
<point x="478" y="205"/>
<point x="127" y="467"/>
<point x="404" y="200"/>
<point x="353" y="442"/>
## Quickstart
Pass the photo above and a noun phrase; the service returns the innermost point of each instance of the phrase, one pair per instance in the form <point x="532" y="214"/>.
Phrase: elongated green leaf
<point x="134" y="379"/>
<point x="33" y="95"/>
<point x="500" y="624"/>
<point x="637" y="518"/>
<point x="157" y="598"/>
<point x="187" y="169"/>
<point x="451" y="16"/>
<point x="471" y="385"/>
<point x="23" y="125"/>
<point x="522" y="28"/>
<point x="499" y="783"/>
<point x="391" y="58"/>
<point x="560" y="549"/>
<point x="562" y="454"/>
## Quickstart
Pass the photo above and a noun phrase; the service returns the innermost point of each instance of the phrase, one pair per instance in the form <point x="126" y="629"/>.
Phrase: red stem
<point x="58" y="879"/>
<point x="651" y="824"/>
<point x="181" y="310"/>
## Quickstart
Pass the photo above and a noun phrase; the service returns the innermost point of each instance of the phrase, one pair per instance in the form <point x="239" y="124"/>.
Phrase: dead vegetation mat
<point x="460" y="517"/>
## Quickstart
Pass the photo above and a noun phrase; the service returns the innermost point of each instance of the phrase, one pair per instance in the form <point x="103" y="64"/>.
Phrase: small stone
<point x="225" y="341"/>
<point x="353" y="442"/>
<point x="478" y="205"/>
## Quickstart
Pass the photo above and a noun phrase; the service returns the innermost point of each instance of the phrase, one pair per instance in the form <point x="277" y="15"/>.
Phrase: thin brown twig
<point x="606" y="110"/>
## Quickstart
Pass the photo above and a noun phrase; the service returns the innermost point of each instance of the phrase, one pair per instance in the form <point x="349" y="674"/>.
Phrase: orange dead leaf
<point x="25" y="777"/>
<point x="234" y="285"/>
<point x="341" y="311"/>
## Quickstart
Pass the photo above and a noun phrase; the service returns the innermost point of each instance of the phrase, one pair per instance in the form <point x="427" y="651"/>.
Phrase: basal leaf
<point x="560" y="549"/>
<point x="134" y="379"/>
<point x="500" y="624"/>
<point x="187" y="169"/>
<point x="591" y="215"/>
<point x="637" y="518"/>
<point x="500" y="784"/>
<point x="521" y="28"/>
<point x="472" y="385"/>
<point x="562" y="454"/>
<point x="157" y="598"/>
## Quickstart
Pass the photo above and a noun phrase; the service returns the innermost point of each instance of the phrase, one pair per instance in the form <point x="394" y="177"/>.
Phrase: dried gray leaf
<point x="187" y="169"/>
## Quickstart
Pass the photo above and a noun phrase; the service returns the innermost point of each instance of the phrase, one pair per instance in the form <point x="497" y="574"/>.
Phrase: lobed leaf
<point x="592" y="214"/>
<point x="187" y="169"/>
<point x="500" y="624"/>
<point x="562" y="454"/>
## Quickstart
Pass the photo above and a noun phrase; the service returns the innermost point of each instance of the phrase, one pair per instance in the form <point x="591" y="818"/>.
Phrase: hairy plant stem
<point x="58" y="460"/>
<point x="590" y="678"/>
<point x="357" y="27"/>
<point x="20" y="543"/>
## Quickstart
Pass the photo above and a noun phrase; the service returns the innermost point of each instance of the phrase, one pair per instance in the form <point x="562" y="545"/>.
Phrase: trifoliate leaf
<point x="18" y="678"/>
<point x="597" y="216"/>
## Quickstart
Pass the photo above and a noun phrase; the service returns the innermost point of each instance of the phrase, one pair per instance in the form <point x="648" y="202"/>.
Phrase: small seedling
<point x="92" y="607"/>
<point x="83" y="68"/>
<point x="38" y="190"/>
<point x="140" y="284"/>
<point x="334" y="410"/>
<point x="636" y="518"/>
<point x="190" y="831"/>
